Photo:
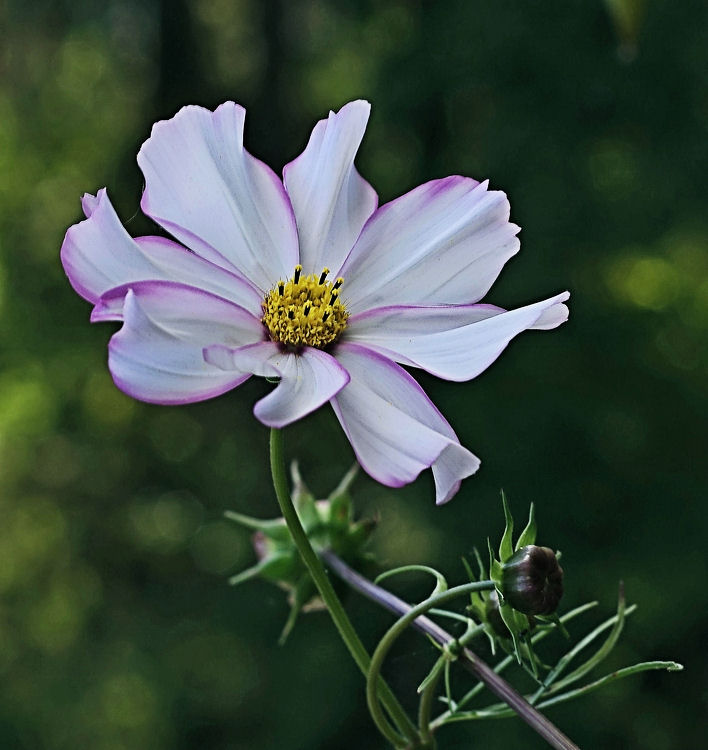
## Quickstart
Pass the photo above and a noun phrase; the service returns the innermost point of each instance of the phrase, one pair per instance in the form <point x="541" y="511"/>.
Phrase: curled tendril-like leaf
<point x="441" y="583"/>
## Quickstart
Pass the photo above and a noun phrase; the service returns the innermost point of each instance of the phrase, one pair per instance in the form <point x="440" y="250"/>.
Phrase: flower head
<point x="307" y="280"/>
<point x="532" y="580"/>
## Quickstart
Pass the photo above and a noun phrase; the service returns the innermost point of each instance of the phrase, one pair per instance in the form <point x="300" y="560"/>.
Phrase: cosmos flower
<point x="305" y="280"/>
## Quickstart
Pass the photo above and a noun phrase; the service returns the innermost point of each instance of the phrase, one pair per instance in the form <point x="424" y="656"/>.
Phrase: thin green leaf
<point x="433" y="674"/>
<point x="468" y="569"/>
<point x="480" y="565"/>
<point x="441" y="583"/>
<point x="528" y="535"/>
<point x="616" y="623"/>
<point x="476" y="598"/>
<point x="561" y="627"/>
<point x="535" y="638"/>
<point x="532" y="659"/>
<point x="505" y="546"/>
<point x="669" y="666"/>
<point x="448" y="689"/>
<point x="501" y="710"/>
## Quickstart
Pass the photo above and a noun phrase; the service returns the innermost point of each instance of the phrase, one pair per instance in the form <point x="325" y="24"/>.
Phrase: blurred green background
<point x="117" y="629"/>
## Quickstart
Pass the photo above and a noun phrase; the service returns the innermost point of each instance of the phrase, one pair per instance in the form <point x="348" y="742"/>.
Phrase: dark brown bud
<point x="532" y="580"/>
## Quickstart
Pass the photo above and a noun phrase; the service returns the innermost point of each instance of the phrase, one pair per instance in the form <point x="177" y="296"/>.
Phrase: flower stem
<point x="414" y="616"/>
<point x="331" y="600"/>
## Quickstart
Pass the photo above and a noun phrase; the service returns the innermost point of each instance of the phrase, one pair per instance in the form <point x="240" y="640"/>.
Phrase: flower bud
<point x="532" y="580"/>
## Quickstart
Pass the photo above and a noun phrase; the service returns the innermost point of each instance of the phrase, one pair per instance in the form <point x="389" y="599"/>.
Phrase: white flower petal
<point x="307" y="380"/>
<point x="330" y="199"/>
<point x="157" y="355"/>
<point x="186" y="312"/>
<point x="210" y="193"/>
<point x="179" y="264"/>
<point x="98" y="255"/>
<point x="394" y="428"/>
<point x="252" y="358"/>
<point x="444" y="242"/>
<point x="454" y="343"/>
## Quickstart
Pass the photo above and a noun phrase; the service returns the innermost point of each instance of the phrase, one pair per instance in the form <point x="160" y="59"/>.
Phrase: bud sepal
<point x="528" y="587"/>
<point x="329" y="524"/>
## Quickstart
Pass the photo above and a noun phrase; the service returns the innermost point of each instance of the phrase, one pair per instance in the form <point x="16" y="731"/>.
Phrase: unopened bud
<point x="532" y="580"/>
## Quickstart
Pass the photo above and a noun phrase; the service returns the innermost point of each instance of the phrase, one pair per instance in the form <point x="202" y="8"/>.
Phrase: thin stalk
<point x="425" y="709"/>
<point x="331" y="600"/>
<point x="385" y="644"/>
<point x="471" y="662"/>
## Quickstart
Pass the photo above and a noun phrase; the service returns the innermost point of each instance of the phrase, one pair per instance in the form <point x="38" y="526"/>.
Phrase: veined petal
<point x="456" y="342"/>
<point x="394" y="428"/>
<point x="330" y="199"/>
<point x="189" y="313"/>
<point x="307" y="379"/>
<point x="444" y="242"/>
<point x="179" y="264"/>
<point x="210" y="193"/>
<point x="157" y="355"/>
<point x="98" y="255"/>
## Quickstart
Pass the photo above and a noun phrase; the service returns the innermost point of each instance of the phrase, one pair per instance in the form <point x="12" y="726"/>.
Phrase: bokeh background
<point x="117" y="629"/>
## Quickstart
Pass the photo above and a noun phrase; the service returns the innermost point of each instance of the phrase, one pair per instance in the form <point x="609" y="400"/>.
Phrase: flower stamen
<point x="305" y="311"/>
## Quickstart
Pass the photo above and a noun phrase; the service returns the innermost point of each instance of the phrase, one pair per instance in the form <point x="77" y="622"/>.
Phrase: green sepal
<point x="304" y="501"/>
<point x="349" y="542"/>
<point x="340" y="511"/>
<point x="495" y="568"/>
<point x="510" y="617"/>
<point x="302" y="592"/>
<point x="307" y="511"/>
<point x="274" y="529"/>
<point x="340" y="499"/>
<point x="329" y="524"/>
<point x="528" y="535"/>
<point x="245" y="575"/>
<point x="274" y="568"/>
<point x="506" y="549"/>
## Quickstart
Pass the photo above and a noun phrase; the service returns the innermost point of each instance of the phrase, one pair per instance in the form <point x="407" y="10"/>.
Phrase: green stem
<point x="334" y="606"/>
<point x="425" y="709"/>
<point x="469" y="660"/>
<point x="397" y="628"/>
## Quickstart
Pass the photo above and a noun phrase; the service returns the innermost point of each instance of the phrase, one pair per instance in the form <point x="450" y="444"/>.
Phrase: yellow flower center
<point x="305" y="311"/>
